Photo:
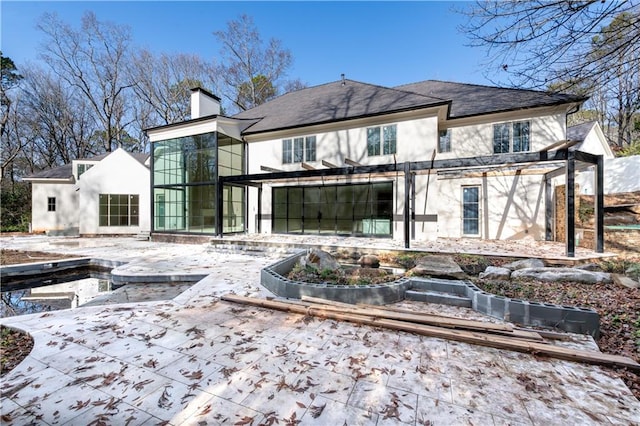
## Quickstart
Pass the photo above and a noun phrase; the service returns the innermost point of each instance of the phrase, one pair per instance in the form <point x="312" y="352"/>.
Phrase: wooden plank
<point x="483" y="339"/>
<point x="423" y="318"/>
<point x="409" y="317"/>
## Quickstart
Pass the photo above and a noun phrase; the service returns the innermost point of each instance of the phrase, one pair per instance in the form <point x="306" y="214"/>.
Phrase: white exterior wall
<point x="416" y="140"/>
<point x="620" y="175"/>
<point x="65" y="218"/>
<point x="512" y="206"/>
<point x="470" y="138"/>
<point x="118" y="173"/>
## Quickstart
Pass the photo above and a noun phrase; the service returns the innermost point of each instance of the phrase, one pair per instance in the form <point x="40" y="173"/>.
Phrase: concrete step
<point x="143" y="236"/>
<point x="438" y="297"/>
<point x="456" y="287"/>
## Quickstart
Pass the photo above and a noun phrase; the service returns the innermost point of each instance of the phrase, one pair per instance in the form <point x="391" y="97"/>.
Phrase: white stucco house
<point x="414" y="162"/>
<point x="104" y="195"/>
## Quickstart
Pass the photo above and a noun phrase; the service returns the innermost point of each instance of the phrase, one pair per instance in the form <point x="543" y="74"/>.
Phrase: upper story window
<point x="381" y="140"/>
<point x="511" y="137"/>
<point x="297" y="150"/>
<point x="83" y="168"/>
<point x="51" y="204"/>
<point x="444" y="140"/>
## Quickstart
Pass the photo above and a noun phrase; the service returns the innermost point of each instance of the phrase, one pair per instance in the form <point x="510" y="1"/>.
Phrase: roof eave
<point x="498" y="111"/>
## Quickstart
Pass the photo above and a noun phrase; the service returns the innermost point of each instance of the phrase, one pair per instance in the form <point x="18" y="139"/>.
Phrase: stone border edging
<point x="119" y="278"/>
<point x="566" y="318"/>
<point x="273" y="278"/>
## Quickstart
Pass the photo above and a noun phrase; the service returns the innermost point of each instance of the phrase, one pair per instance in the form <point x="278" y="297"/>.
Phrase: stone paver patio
<point x="198" y="360"/>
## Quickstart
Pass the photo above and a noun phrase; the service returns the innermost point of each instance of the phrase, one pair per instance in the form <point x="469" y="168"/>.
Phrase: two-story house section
<point x="351" y="158"/>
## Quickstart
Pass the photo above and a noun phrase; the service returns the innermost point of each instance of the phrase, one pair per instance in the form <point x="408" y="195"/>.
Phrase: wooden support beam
<point x="329" y="165"/>
<point x="307" y="166"/>
<point x="269" y="169"/>
<point x="351" y="162"/>
<point x="477" y="338"/>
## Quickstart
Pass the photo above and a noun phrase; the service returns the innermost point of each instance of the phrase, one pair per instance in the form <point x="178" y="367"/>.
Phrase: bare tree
<point x="165" y="81"/>
<point x="590" y="47"/>
<point x="535" y="42"/>
<point x="253" y="72"/>
<point x="92" y="59"/>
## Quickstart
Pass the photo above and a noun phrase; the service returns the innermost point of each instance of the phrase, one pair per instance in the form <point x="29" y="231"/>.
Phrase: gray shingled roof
<point x="472" y="99"/>
<point x="333" y="102"/>
<point x="580" y="131"/>
<point x="60" y="172"/>
<point x="66" y="171"/>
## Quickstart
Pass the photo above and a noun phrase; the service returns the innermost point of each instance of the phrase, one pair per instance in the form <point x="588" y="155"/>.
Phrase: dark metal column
<point x="407" y="200"/>
<point x="259" y="227"/>
<point x="548" y="210"/>
<point x="413" y="206"/>
<point x="570" y="206"/>
<point x="599" y="204"/>
<point x="219" y="207"/>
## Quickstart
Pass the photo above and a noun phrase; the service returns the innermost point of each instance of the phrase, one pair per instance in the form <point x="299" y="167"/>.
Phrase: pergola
<point x="563" y="159"/>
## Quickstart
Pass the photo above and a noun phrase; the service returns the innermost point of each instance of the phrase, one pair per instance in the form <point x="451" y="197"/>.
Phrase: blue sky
<point x="385" y="43"/>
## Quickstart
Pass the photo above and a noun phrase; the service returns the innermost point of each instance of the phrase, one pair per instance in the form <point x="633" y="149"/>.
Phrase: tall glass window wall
<point x="357" y="209"/>
<point x="185" y="172"/>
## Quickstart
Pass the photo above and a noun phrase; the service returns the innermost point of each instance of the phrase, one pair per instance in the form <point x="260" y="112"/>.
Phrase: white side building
<point x="103" y="195"/>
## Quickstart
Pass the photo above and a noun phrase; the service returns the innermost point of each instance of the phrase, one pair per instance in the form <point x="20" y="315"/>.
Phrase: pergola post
<point x="598" y="193"/>
<point x="407" y="201"/>
<point x="570" y="210"/>
<point x="548" y="209"/>
<point x="259" y="225"/>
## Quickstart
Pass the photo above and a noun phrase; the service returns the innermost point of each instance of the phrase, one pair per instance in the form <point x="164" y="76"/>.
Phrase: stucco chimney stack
<point x="203" y="103"/>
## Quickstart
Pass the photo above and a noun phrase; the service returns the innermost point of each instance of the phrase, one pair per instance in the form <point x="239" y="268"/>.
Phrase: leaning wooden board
<point x="483" y="339"/>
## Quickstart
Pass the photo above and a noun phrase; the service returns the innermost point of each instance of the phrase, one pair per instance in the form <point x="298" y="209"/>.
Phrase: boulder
<point x="589" y="267"/>
<point x="369" y="261"/>
<point x="625" y="281"/>
<point x="496" y="273"/>
<point x="320" y="260"/>
<point x="562" y="274"/>
<point x="524" y="263"/>
<point x="438" y="267"/>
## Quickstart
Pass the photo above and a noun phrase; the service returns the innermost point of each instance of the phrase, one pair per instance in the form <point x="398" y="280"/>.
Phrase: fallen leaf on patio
<point x="206" y="410"/>
<point x="193" y="375"/>
<point x="152" y="363"/>
<point x="80" y="404"/>
<point x="164" y="401"/>
<point x="316" y="410"/>
<point x="300" y="404"/>
<point x="140" y="385"/>
<point x="293" y="420"/>
<point x="246" y="420"/>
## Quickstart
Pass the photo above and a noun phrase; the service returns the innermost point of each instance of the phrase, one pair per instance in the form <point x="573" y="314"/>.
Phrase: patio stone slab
<point x="197" y="359"/>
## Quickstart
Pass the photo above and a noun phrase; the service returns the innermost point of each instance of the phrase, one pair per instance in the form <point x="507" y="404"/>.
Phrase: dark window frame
<point x="115" y="210"/>
<point x="299" y="149"/>
<point x="382" y="140"/>
<point x="472" y="206"/>
<point x="444" y="141"/>
<point x="514" y="136"/>
<point x="51" y="204"/>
